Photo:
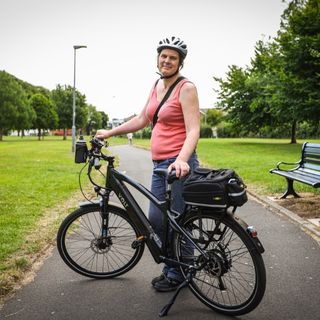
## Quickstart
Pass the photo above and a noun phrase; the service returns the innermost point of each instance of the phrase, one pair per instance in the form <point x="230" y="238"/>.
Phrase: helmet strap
<point x="167" y="77"/>
<point x="172" y="75"/>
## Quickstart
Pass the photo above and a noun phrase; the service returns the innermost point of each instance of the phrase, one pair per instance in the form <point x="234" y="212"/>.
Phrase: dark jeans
<point x="158" y="187"/>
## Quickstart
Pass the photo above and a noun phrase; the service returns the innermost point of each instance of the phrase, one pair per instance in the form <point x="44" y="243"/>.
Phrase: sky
<point x="118" y="68"/>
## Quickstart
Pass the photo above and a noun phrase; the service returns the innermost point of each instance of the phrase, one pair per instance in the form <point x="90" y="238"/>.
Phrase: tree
<point x="271" y="84"/>
<point x="299" y="41"/>
<point x="104" y="119"/>
<point x="214" y="117"/>
<point x="63" y="99"/>
<point x="25" y="118"/>
<point x="235" y="97"/>
<point x="12" y="102"/>
<point x="46" y="115"/>
<point x="81" y="111"/>
<point x="94" y="119"/>
<point x="281" y="86"/>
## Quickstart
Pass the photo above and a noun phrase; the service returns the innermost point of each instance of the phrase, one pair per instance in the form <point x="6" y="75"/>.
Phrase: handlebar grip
<point x="96" y="142"/>
<point x="172" y="177"/>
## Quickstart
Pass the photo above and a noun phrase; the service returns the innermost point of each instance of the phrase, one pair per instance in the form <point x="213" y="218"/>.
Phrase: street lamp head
<point x="79" y="47"/>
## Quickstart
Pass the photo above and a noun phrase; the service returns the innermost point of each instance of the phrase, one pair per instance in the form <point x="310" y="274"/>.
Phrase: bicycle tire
<point x="233" y="281"/>
<point x="79" y="243"/>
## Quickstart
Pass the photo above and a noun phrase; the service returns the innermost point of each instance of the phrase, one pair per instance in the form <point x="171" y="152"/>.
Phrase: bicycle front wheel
<point x="232" y="278"/>
<point x="96" y="251"/>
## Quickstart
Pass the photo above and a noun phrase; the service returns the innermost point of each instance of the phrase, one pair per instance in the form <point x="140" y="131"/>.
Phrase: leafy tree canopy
<point x="13" y="100"/>
<point x="282" y="84"/>
<point x="46" y="115"/>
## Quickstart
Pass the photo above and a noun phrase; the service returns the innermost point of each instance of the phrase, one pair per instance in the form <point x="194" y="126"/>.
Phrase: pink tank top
<point x="169" y="133"/>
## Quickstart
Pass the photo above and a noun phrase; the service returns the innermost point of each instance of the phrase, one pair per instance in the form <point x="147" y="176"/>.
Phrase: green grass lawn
<point x="252" y="159"/>
<point x="38" y="175"/>
<point x="35" y="175"/>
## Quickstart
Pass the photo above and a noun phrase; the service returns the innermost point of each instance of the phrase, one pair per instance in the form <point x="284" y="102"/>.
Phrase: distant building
<point x="129" y="118"/>
<point x="29" y="132"/>
<point x="60" y="132"/>
<point x="115" y="122"/>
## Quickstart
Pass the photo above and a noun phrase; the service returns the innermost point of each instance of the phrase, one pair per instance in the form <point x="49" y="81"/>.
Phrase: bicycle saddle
<point x="171" y="177"/>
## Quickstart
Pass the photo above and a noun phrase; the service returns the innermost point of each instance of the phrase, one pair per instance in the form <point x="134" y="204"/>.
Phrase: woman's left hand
<point x="181" y="167"/>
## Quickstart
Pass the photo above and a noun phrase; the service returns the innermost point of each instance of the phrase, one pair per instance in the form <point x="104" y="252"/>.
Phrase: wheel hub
<point x="101" y="245"/>
<point x="218" y="264"/>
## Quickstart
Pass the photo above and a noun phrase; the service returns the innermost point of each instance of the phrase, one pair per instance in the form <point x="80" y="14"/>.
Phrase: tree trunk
<point x="39" y="134"/>
<point x="1" y="133"/>
<point x="64" y="134"/>
<point x="293" y="132"/>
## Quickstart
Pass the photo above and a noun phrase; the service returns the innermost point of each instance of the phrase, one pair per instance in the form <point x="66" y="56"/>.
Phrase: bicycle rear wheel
<point x="92" y="252"/>
<point x="233" y="280"/>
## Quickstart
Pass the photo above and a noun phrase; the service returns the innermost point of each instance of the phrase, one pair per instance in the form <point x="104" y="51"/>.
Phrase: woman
<point x="174" y="137"/>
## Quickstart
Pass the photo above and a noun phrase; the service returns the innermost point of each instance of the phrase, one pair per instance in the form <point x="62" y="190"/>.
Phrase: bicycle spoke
<point x="227" y="279"/>
<point x="89" y="251"/>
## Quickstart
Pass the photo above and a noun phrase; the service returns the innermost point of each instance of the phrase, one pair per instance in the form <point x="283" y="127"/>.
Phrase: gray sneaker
<point x="166" y="284"/>
<point x="156" y="279"/>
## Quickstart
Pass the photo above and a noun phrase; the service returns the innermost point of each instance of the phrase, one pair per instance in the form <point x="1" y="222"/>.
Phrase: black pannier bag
<point x="214" y="188"/>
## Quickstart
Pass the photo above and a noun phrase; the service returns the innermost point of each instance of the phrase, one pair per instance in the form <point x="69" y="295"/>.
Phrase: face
<point x="168" y="62"/>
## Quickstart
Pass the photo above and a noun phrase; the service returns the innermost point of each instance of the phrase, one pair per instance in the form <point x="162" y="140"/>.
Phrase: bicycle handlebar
<point x="97" y="143"/>
<point x="95" y="151"/>
<point x="93" y="156"/>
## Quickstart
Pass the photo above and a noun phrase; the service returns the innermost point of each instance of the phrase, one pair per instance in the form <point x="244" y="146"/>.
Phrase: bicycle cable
<point x="80" y="184"/>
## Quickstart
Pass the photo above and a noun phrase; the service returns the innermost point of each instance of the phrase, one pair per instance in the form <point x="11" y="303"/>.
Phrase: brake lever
<point x="97" y="143"/>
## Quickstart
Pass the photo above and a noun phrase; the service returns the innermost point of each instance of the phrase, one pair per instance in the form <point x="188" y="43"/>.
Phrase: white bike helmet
<point x="175" y="44"/>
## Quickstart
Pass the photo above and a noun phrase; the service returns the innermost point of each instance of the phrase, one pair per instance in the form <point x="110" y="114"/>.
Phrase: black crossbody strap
<point x="155" y="116"/>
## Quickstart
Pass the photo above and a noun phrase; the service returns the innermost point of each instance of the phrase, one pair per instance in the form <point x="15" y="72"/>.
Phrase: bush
<point x="145" y="133"/>
<point x="307" y="130"/>
<point x="205" y="131"/>
<point x="226" y="130"/>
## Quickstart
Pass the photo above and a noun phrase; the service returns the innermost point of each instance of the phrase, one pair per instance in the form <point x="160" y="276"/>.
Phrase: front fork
<point x="104" y="202"/>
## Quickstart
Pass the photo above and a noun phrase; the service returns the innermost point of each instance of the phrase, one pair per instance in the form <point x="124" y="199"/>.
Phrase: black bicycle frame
<point x="115" y="181"/>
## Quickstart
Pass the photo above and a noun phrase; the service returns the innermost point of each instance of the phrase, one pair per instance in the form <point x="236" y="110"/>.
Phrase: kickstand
<point x="167" y="307"/>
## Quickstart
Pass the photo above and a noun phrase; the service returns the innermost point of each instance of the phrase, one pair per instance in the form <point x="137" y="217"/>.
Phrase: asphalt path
<point x="292" y="260"/>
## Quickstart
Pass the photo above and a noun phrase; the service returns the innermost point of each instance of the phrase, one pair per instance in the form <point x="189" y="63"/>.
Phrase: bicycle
<point x="219" y="255"/>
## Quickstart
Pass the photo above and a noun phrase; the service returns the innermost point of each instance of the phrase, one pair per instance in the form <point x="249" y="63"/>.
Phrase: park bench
<point x="306" y="170"/>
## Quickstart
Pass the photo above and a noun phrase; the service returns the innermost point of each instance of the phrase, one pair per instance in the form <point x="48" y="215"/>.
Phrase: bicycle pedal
<point x="138" y="242"/>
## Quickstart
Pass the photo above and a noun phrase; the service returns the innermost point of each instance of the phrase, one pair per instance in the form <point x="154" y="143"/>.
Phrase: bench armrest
<point x="296" y="164"/>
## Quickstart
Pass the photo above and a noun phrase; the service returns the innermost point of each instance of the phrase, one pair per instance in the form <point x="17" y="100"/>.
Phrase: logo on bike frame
<point x="122" y="200"/>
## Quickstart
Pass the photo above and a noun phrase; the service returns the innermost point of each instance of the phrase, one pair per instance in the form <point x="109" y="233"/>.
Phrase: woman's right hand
<point x="103" y="134"/>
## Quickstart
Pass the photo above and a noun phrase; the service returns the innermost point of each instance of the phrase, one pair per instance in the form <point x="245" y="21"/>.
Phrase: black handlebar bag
<point x="214" y="188"/>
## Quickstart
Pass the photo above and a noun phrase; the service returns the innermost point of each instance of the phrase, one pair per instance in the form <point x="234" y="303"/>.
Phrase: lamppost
<point x="74" y="97"/>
